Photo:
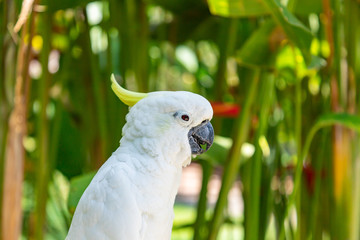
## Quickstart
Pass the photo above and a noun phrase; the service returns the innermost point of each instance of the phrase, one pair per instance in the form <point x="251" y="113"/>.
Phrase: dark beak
<point x="201" y="137"/>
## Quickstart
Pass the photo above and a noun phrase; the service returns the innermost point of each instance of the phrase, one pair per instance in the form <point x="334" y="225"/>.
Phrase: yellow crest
<point x="126" y="96"/>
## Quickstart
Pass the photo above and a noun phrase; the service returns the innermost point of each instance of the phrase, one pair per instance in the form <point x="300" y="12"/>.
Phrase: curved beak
<point x="201" y="138"/>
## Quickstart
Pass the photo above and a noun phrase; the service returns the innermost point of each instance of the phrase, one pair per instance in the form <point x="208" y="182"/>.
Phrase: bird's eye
<point x="185" y="117"/>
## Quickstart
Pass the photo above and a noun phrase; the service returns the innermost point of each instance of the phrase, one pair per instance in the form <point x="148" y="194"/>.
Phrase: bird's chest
<point x="157" y="195"/>
<point x="156" y="204"/>
<point x="157" y="226"/>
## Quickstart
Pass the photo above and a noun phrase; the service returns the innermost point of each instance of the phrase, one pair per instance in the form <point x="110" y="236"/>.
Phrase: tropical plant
<point x="283" y="78"/>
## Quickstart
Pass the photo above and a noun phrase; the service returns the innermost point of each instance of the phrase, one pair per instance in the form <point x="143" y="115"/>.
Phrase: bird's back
<point x="108" y="208"/>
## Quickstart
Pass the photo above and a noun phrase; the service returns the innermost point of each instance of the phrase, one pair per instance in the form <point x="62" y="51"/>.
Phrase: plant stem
<point x="233" y="162"/>
<point x="252" y="223"/>
<point x="43" y="164"/>
<point x="17" y="127"/>
<point x="298" y="129"/>
<point x="226" y="46"/>
<point x="200" y="222"/>
<point x="97" y="87"/>
<point x="338" y="46"/>
<point x="3" y="102"/>
<point x="317" y="190"/>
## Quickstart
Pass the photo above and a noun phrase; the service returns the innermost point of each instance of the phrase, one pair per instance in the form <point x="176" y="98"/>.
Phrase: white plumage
<point x="132" y="195"/>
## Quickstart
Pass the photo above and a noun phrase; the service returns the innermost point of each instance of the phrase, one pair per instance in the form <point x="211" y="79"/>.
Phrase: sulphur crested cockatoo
<point x="132" y="195"/>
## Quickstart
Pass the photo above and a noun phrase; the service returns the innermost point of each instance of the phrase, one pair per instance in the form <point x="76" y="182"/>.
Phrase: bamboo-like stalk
<point x="315" y="203"/>
<point x="299" y="164"/>
<point x="226" y="43"/>
<point x="43" y="164"/>
<point x="134" y="45"/>
<point x="355" y="221"/>
<point x="337" y="24"/>
<point x="15" y="153"/>
<point x="142" y="59"/>
<point x="355" y="36"/>
<point x="352" y="35"/>
<point x="200" y="222"/>
<point x="226" y="46"/>
<point x="115" y="108"/>
<point x="98" y="92"/>
<point x="341" y="142"/>
<point x="4" y="111"/>
<point x="233" y="162"/>
<point x="252" y="222"/>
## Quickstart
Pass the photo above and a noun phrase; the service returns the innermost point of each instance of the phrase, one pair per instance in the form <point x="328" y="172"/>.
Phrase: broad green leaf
<point x="317" y="62"/>
<point x="297" y="32"/>
<point x="181" y="6"/>
<point x="237" y="8"/>
<point x="344" y="119"/>
<point x="219" y="151"/>
<point x="77" y="188"/>
<point x="305" y="7"/>
<point x="257" y="49"/>
<point x="71" y="153"/>
<point x="66" y="4"/>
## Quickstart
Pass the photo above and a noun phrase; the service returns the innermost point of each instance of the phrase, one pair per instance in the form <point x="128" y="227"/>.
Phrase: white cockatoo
<point x="132" y="195"/>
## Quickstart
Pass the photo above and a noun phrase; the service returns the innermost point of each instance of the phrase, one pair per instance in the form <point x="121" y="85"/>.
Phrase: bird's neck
<point x="163" y="153"/>
<point x="158" y="179"/>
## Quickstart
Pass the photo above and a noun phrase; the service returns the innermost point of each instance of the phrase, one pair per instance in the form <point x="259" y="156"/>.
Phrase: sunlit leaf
<point x="296" y="31"/>
<point x="305" y="7"/>
<point x="237" y="8"/>
<point x="344" y="119"/>
<point x="317" y="62"/>
<point x="218" y="151"/>
<point x="77" y="188"/>
<point x="257" y="49"/>
<point x="65" y="4"/>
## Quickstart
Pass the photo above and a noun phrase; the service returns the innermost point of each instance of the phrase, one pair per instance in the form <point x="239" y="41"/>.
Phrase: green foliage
<point x="288" y="69"/>
<point x="331" y="119"/>
<point x="236" y="8"/>
<point x="295" y="30"/>
<point x="77" y="188"/>
<point x="258" y="49"/>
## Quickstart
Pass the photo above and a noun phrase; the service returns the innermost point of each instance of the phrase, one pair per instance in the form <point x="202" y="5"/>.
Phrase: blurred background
<point x="282" y="76"/>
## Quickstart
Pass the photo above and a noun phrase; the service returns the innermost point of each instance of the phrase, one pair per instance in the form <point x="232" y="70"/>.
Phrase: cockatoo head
<point x="172" y="124"/>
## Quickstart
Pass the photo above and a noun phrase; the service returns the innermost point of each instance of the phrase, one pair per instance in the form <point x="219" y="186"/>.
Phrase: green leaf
<point x="305" y="7"/>
<point x="316" y="62"/>
<point x="344" y="119"/>
<point x="71" y="153"/>
<point x="218" y="152"/>
<point x="66" y="4"/>
<point x="77" y="188"/>
<point x="297" y="32"/>
<point x="350" y="121"/>
<point x="237" y="8"/>
<point x="256" y="51"/>
<point x="327" y="120"/>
